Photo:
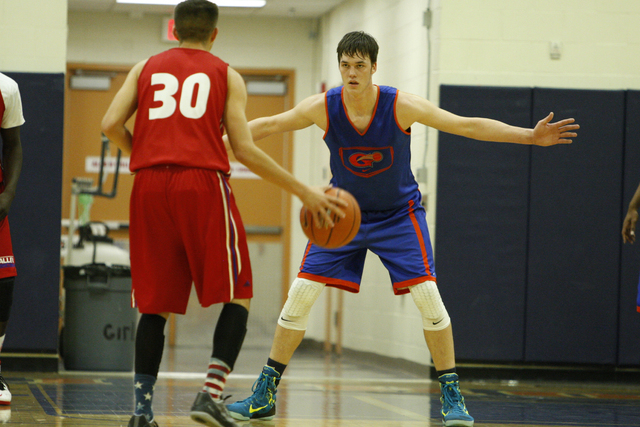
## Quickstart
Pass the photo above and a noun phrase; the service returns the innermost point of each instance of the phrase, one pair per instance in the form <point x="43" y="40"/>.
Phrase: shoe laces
<point x="3" y="384"/>
<point x="451" y="395"/>
<point x="262" y="387"/>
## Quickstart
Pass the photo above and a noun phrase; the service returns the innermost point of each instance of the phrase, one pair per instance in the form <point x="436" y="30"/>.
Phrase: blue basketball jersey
<point x="374" y="166"/>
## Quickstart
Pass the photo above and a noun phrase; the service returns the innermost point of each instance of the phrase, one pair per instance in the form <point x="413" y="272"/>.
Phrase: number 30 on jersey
<point x="187" y="107"/>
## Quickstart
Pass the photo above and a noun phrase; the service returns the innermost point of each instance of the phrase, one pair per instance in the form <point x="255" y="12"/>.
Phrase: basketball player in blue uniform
<point x="368" y="132"/>
<point x="629" y="228"/>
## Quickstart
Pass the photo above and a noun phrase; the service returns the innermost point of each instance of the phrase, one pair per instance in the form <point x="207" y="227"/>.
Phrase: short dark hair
<point x="358" y="43"/>
<point x="195" y="20"/>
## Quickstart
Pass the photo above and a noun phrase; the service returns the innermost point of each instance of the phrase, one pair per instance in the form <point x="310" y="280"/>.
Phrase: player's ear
<point x="214" y="35"/>
<point x="374" y="67"/>
<point x="175" y="33"/>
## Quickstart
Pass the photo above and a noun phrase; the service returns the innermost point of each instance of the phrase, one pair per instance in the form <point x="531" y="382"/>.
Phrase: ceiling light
<point x="221" y="3"/>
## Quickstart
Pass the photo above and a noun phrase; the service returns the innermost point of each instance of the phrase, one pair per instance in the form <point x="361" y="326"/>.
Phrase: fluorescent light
<point x="221" y="3"/>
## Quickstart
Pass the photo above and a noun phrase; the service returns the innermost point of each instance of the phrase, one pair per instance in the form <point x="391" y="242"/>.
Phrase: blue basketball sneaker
<point x="454" y="411"/>
<point x="261" y="405"/>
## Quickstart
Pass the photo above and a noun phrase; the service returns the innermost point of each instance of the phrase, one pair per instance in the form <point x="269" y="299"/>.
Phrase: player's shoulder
<point x="315" y="102"/>
<point x="7" y="84"/>
<point x="408" y="100"/>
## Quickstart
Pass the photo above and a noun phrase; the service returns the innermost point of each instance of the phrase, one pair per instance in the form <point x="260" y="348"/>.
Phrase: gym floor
<point x="324" y="390"/>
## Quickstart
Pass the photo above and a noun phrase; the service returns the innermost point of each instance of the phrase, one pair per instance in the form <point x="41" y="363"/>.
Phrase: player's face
<point x="356" y="72"/>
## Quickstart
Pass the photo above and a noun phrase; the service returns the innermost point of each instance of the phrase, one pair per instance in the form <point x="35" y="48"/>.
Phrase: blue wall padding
<point x="35" y="216"/>
<point x="574" y="231"/>
<point x="481" y="226"/>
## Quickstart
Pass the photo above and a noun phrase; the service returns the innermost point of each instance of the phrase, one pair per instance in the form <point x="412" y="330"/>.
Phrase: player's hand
<point x="629" y="227"/>
<point x="322" y="205"/>
<point x="546" y="133"/>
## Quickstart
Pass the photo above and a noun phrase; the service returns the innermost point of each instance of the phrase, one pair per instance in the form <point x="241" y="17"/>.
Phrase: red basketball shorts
<point x="7" y="262"/>
<point x="185" y="228"/>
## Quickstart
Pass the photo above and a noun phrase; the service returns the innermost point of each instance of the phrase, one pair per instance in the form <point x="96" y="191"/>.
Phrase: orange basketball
<point x="344" y="230"/>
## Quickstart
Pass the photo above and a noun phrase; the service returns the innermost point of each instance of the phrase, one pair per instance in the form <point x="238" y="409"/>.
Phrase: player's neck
<point x="193" y="45"/>
<point x="361" y="102"/>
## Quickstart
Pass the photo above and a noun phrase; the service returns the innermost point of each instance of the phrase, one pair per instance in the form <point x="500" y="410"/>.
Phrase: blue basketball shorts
<point x="400" y="238"/>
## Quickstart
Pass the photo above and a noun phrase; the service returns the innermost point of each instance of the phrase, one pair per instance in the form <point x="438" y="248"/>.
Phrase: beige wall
<point x="33" y="35"/>
<point x="506" y="43"/>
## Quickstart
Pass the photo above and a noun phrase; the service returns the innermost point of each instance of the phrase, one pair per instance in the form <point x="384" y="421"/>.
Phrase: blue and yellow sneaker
<point x="261" y="405"/>
<point x="454" y="411"/>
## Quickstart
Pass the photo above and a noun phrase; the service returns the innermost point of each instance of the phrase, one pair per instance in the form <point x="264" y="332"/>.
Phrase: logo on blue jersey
<point x="367" y="161"/>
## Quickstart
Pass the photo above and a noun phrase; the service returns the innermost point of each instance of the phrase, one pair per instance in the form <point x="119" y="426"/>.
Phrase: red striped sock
<point x="216" y="378"/>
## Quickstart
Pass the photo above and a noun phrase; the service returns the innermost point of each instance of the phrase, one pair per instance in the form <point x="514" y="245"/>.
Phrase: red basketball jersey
<point x="181" y="99"/>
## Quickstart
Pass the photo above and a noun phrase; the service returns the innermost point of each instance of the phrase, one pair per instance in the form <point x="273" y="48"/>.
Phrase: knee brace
<point x="428" y="300"/>
<point x="302" y="294"/>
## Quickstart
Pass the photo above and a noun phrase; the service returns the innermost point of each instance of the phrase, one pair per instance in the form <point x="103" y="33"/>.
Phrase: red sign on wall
<point x="167" y="30"/>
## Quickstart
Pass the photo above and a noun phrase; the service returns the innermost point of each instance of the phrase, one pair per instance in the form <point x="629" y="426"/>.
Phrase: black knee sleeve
<point x="229" y="335"/>
<point x="6" y="297"/>
<point x="149" y="344"/>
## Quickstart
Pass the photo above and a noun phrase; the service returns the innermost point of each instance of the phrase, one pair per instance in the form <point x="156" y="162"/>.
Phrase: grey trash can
<point x="99" y="323"/>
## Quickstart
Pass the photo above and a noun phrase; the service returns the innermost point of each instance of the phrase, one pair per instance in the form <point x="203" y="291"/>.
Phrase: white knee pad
<point x="427" y="298"/>
<point x="302" y="294"/>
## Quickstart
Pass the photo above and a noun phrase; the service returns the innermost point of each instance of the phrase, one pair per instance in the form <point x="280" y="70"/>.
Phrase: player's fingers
<point x="337" y="201"/>
<point x="565" y="122"/>
<point x="324" y="219"/>
<point x="566" y="127"/>
<point x="547" y="119"/>
<point x="565" y="141"/>
<point x="568" y="135"/>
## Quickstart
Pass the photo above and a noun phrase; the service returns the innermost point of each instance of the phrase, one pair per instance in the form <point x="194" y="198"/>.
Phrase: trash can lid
<point x="97" y="276"/>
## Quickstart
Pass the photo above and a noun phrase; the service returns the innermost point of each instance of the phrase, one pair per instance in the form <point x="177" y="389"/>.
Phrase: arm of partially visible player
<point x="412" y="108"/>
<point x="12" y="166"/>
<point x="260" y="163"/>
<point x="122" y="107"/>
<point x="630" y="220"/>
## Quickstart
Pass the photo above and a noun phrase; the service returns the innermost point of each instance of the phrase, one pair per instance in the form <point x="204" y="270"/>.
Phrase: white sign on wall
<point x="92" y="164"/>
<point x="238" y="170"/>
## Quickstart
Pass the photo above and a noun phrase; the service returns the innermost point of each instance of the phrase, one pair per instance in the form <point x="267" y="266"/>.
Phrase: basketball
<point x="344" y="230"/>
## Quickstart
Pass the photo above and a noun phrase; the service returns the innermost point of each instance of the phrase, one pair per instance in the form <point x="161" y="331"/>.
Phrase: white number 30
<point x="188" y="108"/>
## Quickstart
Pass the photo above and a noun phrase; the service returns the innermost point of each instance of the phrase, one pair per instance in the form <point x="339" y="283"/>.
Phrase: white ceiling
<point x="290" y="8"/>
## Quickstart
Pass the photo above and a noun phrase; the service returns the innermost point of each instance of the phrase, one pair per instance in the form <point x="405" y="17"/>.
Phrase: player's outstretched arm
<point x="241" y="142"/>
<point x="309" y="111"/>
<point x="412" y="108"/>
<point x="630" y="220"/>
<point x="122" y="107"/>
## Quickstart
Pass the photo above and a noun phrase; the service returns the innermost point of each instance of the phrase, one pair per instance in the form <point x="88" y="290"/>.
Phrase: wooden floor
<point x="320" y="391"/>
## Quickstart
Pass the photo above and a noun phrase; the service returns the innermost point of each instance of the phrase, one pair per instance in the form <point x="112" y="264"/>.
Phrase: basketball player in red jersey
<point x="11" y="119"/>
<point x="184" y="224"/>
<point x="364" y="119"/>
